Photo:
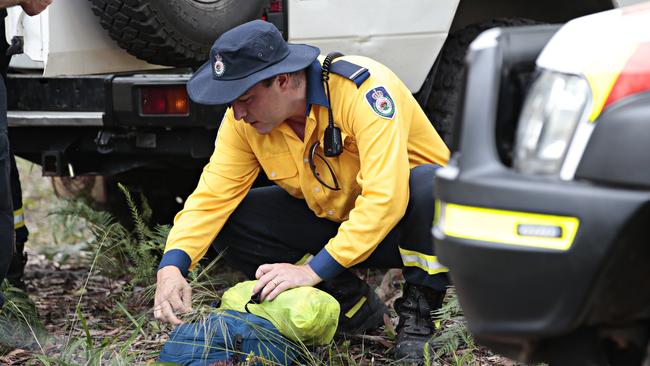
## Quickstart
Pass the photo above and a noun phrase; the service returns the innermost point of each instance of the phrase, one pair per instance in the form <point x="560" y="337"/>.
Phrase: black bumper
<point x="520" y="291"/>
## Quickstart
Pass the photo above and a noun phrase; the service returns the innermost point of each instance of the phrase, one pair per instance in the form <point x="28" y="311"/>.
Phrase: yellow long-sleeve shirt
<point x="380" y="146"/>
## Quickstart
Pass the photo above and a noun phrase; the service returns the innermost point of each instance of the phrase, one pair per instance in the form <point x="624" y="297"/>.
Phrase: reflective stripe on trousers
<point x="425" y="262"/>
<point x="19" y="218"/>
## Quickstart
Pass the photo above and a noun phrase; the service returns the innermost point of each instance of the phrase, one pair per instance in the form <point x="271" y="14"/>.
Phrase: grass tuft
<point x="451" y="336"/>
<point x="20" y="326"/>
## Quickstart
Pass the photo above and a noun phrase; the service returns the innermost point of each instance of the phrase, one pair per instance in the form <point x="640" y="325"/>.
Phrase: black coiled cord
<point x="332" y="139"/>
<point x="327" y="63"/>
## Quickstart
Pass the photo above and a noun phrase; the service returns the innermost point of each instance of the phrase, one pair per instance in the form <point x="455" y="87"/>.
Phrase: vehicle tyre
<point x="442" y="104"/>
<point x="172" y="32"/>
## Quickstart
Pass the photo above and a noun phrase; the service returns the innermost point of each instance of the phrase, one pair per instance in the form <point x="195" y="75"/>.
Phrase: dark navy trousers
<point x="271" y="226"/>
<point x="6" y="206"/>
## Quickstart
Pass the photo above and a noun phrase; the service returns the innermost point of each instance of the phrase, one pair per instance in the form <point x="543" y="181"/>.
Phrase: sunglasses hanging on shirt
<point x="312" y="165"/>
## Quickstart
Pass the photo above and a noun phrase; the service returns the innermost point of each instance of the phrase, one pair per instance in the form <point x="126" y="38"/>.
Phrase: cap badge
<point x="219" y="66"/>
<point x="381" y="102"/>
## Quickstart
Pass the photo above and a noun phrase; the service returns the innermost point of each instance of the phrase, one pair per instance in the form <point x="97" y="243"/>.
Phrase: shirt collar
<point x="315" y="89"/>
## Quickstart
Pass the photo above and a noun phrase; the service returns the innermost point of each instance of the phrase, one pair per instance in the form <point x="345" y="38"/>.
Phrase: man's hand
<point x="173" y="294"/>
<point x="33" y="7"/>
<point x="278" y="277"/>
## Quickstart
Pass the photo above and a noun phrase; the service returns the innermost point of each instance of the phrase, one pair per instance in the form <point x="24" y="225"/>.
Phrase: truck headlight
<point x="551" y="112"/>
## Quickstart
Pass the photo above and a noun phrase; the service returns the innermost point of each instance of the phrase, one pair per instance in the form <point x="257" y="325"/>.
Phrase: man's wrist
<point x="325" y="266"/>
<point x="314" y="276"/>
<point x="168" y="269"/>
<point x="177" y="258"/>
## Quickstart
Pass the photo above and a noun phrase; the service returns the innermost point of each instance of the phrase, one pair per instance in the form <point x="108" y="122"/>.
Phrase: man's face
<point x="262" y="107"/>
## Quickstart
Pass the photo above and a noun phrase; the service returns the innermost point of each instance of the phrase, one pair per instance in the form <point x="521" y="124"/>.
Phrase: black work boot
<point x="361" y="309"/>
<point x="415" y="326"/>
<point x="16" y="270"/>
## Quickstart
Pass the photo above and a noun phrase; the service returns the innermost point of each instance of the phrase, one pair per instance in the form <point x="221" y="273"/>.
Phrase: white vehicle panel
<point x="82" y="46"/>
<point x="68" y="38"/>
<point x="612" y="38"/>
<point x="32" y="29"/>
<point x="405" y="38"/>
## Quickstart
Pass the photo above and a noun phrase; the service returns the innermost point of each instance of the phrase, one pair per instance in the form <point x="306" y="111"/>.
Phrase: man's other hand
<point x="33" y="7"/>
<point x="278" y="277"/>
<point x="173" y="295"/>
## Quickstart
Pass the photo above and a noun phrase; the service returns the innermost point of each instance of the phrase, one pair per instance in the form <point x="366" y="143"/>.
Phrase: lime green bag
<point x="302" y="314"/>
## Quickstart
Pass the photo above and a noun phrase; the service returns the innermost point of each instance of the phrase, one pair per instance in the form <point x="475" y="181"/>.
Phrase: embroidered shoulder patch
<point x="381" y="102"/>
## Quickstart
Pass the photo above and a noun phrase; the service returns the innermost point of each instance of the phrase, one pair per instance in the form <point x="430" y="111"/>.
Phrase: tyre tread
<point x="442" y="105"/>
<point x="139" y="29"/>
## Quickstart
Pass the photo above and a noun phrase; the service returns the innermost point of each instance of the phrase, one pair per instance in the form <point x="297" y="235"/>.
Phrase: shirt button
<point x="317" y="189"/>
<point x="306" y="160"/>
<point x="330" y="212"/>
<point x="273" y="174"/>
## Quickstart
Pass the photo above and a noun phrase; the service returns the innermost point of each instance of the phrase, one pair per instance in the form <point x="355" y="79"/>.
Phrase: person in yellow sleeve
<point x="353" y="158"/>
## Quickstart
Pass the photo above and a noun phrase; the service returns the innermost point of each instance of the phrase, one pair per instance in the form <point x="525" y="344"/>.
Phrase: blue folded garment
<point x="228" y="336"/>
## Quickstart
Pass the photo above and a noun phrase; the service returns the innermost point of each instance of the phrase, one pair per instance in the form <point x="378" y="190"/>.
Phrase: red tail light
<point x="157" y="100"/>
<point x="275" y="6"/>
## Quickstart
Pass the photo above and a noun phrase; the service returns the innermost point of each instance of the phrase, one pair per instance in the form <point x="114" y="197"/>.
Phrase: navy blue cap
<point x="244" y="56"/>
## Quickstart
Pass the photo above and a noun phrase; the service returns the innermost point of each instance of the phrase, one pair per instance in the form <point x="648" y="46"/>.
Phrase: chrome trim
<point x="46" y="118"/>
<point x="448" y="172"/>
<point x="578" y="144"/>
<point x="438" y="230"/>
<point x="576" y="150"/>
<point x="487" y="39"/>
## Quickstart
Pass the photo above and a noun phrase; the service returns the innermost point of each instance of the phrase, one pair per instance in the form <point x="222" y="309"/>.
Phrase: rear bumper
<point x="35" y="118"/>
<point x="112" y="100"/>
<point x="94" y="125"/>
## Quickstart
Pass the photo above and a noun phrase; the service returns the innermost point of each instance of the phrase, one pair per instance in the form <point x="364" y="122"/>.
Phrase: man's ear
<point x="284" y="81"/>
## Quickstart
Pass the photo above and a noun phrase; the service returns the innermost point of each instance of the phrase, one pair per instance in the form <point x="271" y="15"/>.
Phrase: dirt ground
<point x="57" y="269"/>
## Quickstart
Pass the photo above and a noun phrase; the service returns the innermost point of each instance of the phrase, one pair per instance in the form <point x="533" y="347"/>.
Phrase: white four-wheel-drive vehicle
<point x="87" y="99"/>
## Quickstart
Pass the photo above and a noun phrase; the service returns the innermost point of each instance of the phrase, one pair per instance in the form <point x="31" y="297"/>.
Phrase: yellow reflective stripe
<point x="436" y="215"/>
<point x="19" y="218"/>
<point x="500" y="226"/>
<point x="602" y="73"/>
<point x="427" y="263"/>
<point x="305" y="259"/>
<point x="350" y="313"/>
